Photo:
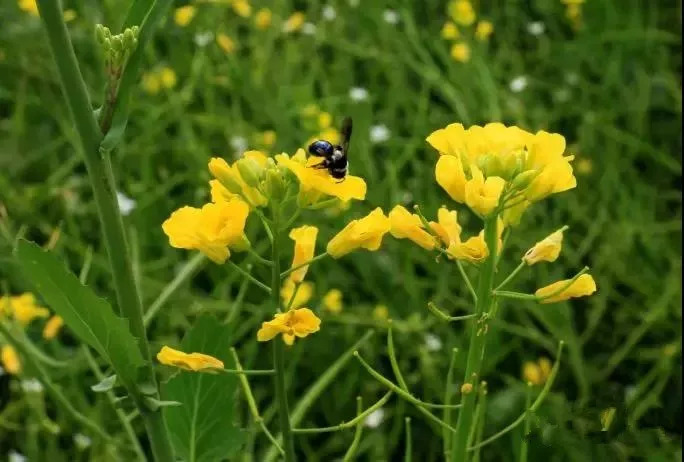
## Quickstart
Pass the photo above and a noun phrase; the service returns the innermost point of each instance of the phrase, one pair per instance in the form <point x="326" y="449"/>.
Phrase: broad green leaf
<point x="88" y="316"/>
<point x="105" y="385"/>
<point x="202" y="429"/>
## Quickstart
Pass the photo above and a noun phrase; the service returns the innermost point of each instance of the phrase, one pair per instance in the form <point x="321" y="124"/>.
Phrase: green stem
<point x="448" y="391"/>
<point x="246" y="274"/>
<point x="476" y="349"/>
<point x="278" y="350"/>
<point x="101" y="180"/>
<point x="526" y="429"/>
<point x="408" y="449"/>
<point x="295" y="268"/>
<point x="511" y="276"/>
<point x="360" y="417"/>
<point x="354" y="446"/>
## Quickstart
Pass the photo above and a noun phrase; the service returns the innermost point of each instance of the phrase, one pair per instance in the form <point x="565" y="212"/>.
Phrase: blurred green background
<point x="609" y="80"/>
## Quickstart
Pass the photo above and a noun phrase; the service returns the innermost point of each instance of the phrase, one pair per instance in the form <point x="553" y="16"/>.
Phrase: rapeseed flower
<point x="483" y="30"/>
<point x="537" y="373"/>
<point x="263" y="18"/>
<point x="547" y="249"/>
<point x="24" y="308"/>
<point x="332" y="301"/>
<point x="28" y="6"/>
<point x="52" y="327"/>
<point x="404" y="225"/>
<point x="460" y="52"/>
<point x="305" y="244"/>
<point x="450" y="31"/>
<point x="294" y="22"/>
<point x="226" y="43"/>
<point x="462" y="12"/>
<point x="292" y="324"/>
<point x="381" y="312"/>
<point x="196" y="362"/>
<point x="364" y="233"/>
<point x="304" y="292"/>
<point x="232" y="179"/>
<point x="242" y="8"/>
<point x="184" y="14"/>
<point x="581" y="287"/>
<point x="10" y="359"/>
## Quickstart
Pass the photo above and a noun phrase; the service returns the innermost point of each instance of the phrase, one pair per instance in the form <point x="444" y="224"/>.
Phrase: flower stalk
<point x="477" y="345"/>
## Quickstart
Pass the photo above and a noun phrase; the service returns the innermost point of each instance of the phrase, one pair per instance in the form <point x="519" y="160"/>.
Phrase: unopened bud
<point x="250" y="171"/>
<point x="220" y="169"/>
<point x="524" y="179"/>
<point x="117" y="43"/>
<point x="274" y="184"/>
<point x="128" y="39"/>
<point x="466" y="388"/>
<point x="100" y="34"/>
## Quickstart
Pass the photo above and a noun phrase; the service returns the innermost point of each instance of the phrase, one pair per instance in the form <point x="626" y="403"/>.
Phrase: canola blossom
<point x="305" y="244"/>
<point x="23" y="308"/>
<point x="364" y="233"/>
<point x="10" y="359"/>
<point x="404" y="225"/>
<point x="547" y="249"/>
<point x="195" y="362"/>
<point x="304" y="292"/>
<point x="583" y="286"/>
<point x="52" y="327"/>
<point x="332" y="301"/>
<point x="292" y="324"/>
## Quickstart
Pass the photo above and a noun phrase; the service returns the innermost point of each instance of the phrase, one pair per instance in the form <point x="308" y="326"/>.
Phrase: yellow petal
<point x="196" y="362"/>
<point x="365" y="233"/>
<point x="52" y="327"/>
<point x="450" y="176"/>
<point x="303" y="295"/>
<point x="583" y="286"/>
<point x="404" y="225"/>
<point x="10" y="360"/>
<point x="332" y="301"/>
<point x="305" y="244"/>
<point x="183" y="15"/>
<point x="547" y="249"/>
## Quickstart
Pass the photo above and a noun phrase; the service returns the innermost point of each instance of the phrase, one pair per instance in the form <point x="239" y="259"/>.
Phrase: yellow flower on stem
<point x="23" y="308"/>
<point x="294" y="22"/>
<point x="482" y="195"/>
<point x="183" y="15"/>
<point x="474" y="250"/>
<point x="151" y="83"/>
<point x="332" y="301"/>
<point x="231" y="178"/>
<point x="462" y="12"/>
<point x="226" y="43"/>
<point x="460" y="52"/>
<point x="167" y="77"/>
<point x="404" y="225"/>
<point x="305" y="245"/>
<point x="304" y="292"/>
<point x="211" y="230"/>
<point x="451" y="177"/>
<point x="52" y="327"/>
<point x="295" y="323"/>
<point x="380" y="313"/>
<point x="447" y="227"/>
<point x="450" y="31"/>
<point x="583" y="286"/>
<point x="483" y="30"/>
<point x="28" y="6"/>
<point x="10" y="360"/>
<point x="547" y="249"/>
<point x="537" y="373"/>
<point x="242" y="8"/>
<point x="314" y="182"/>
<point x="262" y="19"/>
<point x="196" y="362"/>
<point x="365" y="233"/>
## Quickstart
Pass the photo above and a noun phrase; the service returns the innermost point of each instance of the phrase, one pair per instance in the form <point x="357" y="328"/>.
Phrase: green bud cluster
<point x="116" y="48"/>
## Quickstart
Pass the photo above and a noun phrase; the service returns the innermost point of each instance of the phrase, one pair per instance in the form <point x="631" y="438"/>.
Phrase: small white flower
<point x="126" y="204"/>
<point x="432" y="342"/>
<point x="329" y="13"/>
<point x="239" y="144"/>
<point x="375" y="418"/>
<point x="406" y="197"/>
<point x="82" y="441"/>
<point x="518" y="84"/>
<point x="308" y="28"/>
<point x="203" y="39"/>
<point x="390" y="17"/>
<point x="358" y="94"/>
<point x="536" y="28"/>
<point x="379" y="133"/>
<point x="31" y="386"/>
<point x="630" y="393"/>
<point x="14" y="456"/>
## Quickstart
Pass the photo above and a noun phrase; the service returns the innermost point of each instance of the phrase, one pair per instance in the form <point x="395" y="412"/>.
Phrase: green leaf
<point x="202" y="428"/>
<point x="105" y="385"/>
<point x="154" y="404"/>
<point x="88" y="316"/>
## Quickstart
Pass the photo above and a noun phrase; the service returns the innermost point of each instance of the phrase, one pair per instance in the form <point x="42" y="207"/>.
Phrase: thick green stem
<point x="102" y="183"/>
<point x="476" y="349"/>
<point x="278" y="353"/>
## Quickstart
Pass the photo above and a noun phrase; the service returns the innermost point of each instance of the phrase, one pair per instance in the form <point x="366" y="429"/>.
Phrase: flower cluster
<point x="462" y="14"/>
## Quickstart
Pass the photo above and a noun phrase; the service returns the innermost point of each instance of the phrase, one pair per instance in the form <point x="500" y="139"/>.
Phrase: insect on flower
<point x="334" y="156"/>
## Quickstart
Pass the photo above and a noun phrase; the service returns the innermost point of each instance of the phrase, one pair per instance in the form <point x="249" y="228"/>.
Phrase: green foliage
<point x="90" y="317"/>
<point x="202" y="427"/>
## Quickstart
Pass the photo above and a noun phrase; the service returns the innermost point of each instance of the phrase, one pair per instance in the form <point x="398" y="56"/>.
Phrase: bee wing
<point x="346" y="132"/>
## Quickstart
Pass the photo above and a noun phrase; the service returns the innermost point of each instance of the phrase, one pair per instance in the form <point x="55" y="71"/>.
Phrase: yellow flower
<point x="537" y="373"/>
<point x="451" y="177"/>
<point x="474" y="250"/>
<point x="380" y="312"/>
<point x="460" y="52"/>
<point x="332" y="301"/>
<point x="52" y="327"/>
<point x="450" y="31"/>
<point x="294" y="323"/>
<point x="447" y="227"/>
<point x="151" y="83"/>
<point x="196" y="362"/>
<point x="305" y="245"/>
<point x="313" y="182"/>
<point x="167" y="77"/>
<point x="547" y="249"/>
<point x="23" y="308"/>
<point x="242" y="8"/>
<point x="211" y="230"/>
<point x="462" y="12"/>
<point x="303" y="295"/>
<point x="584" y="166"/>
<point x="294" y="22"/>
<point x="183" y="15"/>
<point x="10" y="360"/>
<point x="29" y="6"/>
<point x="226" y="43"/>
<point x="324" y="120"/>
<point x="482" y="195"/>
<point x="262" y="20"/>
<point x="268" y="138"/>
<point x="365" y="233"/>
<point x="404" y="225"/>
<point x="583" y="286"/>
<point x="483" y="30"/>
<point x="229" y="176"/>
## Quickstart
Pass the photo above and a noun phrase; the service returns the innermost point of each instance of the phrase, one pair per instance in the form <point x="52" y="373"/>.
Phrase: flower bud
<point x="129" y="40"/>
<point x="250" y="171"/>
<point x="274" y="184"/>
<point x="523" y="180"/>
<point x="546" y="250"/>
<point x="100" y="33"/>
<point x="117" y="43"/>
<point x="220" y="169"/>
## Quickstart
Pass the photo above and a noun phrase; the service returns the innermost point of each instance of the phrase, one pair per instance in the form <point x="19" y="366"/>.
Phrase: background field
<point x="612" y="87"/>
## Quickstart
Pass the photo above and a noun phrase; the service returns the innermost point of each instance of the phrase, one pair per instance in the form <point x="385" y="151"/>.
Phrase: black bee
<point x="335" y="156"/>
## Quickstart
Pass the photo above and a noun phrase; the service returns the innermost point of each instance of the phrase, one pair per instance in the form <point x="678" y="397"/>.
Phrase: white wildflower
<point x="375" y="418"/>
<point x="126" y="204"/>
<point x="379" y="133"/>
<point x="390" y="17"/>
<point x="432" y="342"/>
<point x="518" y="84"/>
<point x="536" y="28"/>
<point x="329" y="13"/>
<point x="358" y="94"/>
